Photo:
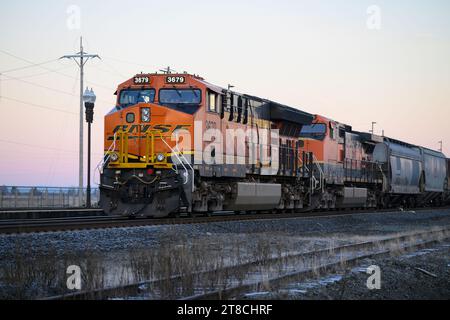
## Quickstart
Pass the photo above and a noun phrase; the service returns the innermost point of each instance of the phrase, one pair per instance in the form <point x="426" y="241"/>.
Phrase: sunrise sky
<point x="353" y="61"/>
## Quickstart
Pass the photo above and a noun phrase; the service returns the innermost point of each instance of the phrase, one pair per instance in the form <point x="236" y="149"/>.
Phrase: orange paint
<point x="329" y="149"/>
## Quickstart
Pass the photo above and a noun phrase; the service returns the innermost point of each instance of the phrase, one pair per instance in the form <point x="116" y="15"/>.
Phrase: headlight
<point x="114" y="157"/>
<point x="160" y="157"/>
<point x="130" y="117"/>
<point x="145" y="114"/>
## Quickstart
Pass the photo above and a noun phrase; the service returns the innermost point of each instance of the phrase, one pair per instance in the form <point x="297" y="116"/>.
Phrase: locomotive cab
<point x="142" y="144"/>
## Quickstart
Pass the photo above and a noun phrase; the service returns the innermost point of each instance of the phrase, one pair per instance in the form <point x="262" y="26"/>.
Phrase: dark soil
<point x="400" y="279"/>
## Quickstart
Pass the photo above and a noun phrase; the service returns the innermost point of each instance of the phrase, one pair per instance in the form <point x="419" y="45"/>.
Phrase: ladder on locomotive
<point x="309" y="167"/>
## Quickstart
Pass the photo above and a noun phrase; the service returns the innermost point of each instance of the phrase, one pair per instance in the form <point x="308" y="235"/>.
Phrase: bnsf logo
<point x="164" y="128"/>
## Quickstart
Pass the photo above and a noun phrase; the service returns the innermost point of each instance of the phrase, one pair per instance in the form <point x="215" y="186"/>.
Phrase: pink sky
<point x="318" y="56"/>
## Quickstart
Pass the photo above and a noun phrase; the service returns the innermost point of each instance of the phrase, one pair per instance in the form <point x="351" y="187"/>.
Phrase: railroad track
<point x="235" y="280"/>
<point x="48" y="213"/>
<point x="101" y="222"/>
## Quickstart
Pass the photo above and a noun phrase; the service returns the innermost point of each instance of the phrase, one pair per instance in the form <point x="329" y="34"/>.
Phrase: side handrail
<point x="190" y="167"/>
<point x="181" y="162"/>
<point x="101" y="164"/>
<point x="321" y="173"/>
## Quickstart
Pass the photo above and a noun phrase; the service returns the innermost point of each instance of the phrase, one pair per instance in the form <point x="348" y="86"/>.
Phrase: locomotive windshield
<point x="180" y="96"/>
<point x="315" y="131"/>
<point x="132" y="97"/>
<point x="184" y="100"/>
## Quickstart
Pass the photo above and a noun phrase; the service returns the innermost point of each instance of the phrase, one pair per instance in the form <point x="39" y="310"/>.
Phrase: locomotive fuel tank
<point x="255" y="196"/>
<point x="353" y="197"/>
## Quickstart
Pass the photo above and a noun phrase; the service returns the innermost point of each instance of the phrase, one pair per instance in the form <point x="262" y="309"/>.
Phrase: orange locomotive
<point x="163" y="123"/>
<point x="350" y="176"/>
<point x="175" y="143"/>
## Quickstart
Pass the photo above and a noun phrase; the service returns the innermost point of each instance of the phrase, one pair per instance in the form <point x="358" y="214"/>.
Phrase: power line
<point x="129" y="62"/>
<point x="40" y="65"/>
<point x="72" y="77"/>
<point x="97" y="116"/>
<point x="41" y="86"/>
<point x="36" y="146"/>
<point x="39" y="105"/>
<point x="37" y="74"/>
<point x="49" y="88"/>
<point x="42" y="147"/>
<point x="31" y="64"/>
<point x="113" y="70"/>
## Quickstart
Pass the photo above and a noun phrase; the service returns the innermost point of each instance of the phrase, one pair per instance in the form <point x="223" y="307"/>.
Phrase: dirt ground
<point x="400" y="279"/>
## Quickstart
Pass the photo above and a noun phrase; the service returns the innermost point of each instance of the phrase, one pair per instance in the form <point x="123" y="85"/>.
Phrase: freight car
<point x="175" y="143"/>
<point x="412" y="175"/>
<point x="447" y="186"/>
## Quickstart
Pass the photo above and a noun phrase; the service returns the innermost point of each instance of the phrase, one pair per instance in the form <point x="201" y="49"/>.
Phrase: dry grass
<point x="178" y="258"/>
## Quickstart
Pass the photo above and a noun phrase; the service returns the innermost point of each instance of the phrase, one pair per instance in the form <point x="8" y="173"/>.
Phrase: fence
<point x="45" y="197"/>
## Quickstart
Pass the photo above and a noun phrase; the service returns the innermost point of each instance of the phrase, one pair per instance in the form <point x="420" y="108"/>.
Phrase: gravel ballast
<point x="117" y="254"/>
<point x="108" y="240"/>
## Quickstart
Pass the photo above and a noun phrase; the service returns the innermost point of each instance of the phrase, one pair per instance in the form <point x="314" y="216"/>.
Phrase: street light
<point x="89" y="101"/>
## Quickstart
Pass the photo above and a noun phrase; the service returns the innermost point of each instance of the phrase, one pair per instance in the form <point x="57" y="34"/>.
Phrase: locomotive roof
<point x="275" y="111"/>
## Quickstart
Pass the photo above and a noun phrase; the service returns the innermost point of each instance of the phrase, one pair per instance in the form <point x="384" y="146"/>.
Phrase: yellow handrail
<point x="146" y="159"/>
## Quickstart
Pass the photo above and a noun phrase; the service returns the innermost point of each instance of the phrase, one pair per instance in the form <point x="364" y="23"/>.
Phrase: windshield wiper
<point x="178" y="91"/>
<point x="193" y="90"/>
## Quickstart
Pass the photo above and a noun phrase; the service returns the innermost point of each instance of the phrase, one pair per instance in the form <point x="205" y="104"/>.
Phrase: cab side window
<point x="212" y="101"/>
<point x="232" y="99"/>
<point x="331" y="131"/>
<point x="246" y="107"/>
<point x="224" y="106"/>
<point x="239" y="109"/>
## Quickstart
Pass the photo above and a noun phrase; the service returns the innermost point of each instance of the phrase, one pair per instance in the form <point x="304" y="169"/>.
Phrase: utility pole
<point x="373" y="127"/>
<point x="81" y="58"/>
<point x="440" y="143"/>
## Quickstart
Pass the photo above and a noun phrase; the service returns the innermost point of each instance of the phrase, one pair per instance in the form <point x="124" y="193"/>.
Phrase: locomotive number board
<point x="141" y="80"/>
<point x="175" y="80"/>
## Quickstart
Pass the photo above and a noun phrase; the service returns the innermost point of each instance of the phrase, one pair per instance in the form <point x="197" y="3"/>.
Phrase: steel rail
<point x="230" y="292"/>
<point x="236" y="291"/>
<point x="97" y="222"/>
